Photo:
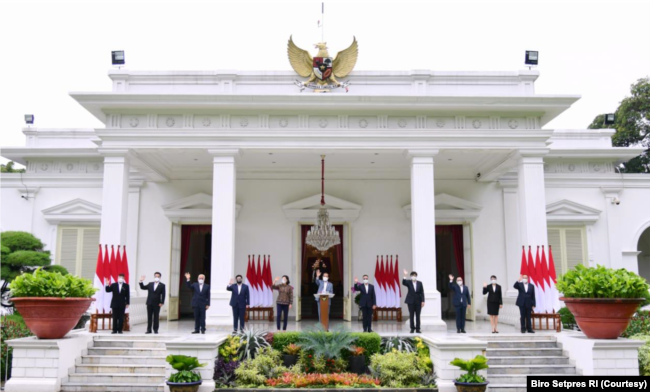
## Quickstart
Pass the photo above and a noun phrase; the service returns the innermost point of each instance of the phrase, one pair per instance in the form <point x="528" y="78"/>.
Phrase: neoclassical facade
<point x="451" y="172"/>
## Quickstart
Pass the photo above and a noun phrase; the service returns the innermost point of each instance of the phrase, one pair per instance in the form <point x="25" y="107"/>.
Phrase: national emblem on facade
<point x="323" y="69"/>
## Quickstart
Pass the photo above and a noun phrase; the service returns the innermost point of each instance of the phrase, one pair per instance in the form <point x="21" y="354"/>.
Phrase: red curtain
<point x="339" y="250"/>
<point x="303" y="236"/>
<point x="456" y="232"/>
<point x="186" y="237"/>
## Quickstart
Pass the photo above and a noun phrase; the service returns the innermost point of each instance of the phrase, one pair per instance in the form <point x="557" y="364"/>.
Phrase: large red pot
<point x="602" y="318"/>
<point x="50" y="317"/>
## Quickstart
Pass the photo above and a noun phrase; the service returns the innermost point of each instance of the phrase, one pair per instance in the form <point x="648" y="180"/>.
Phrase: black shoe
<point x="523" y="331"/>
<point x="531" y="331"/>
<point x="418" y="331"/>
<point x="370" y="331"/>
<point x="458" y="331"/>
<point x="412" y="330"/>
<point x="148" y="332"/>
<point x="193" y="332"/>
<point x="462" y="331"/>
<point x="156" y="332"/>
<point x="496" y="331"/>
<point x="203" y="332"/>
<point x="113" y="333"/>
<point x="120" y="332"/>
<point x="234" y="332"/>
<point x="493" y="332"/>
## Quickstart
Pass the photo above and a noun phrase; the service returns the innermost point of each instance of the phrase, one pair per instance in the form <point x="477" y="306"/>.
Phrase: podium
<point x="323" y="299"/>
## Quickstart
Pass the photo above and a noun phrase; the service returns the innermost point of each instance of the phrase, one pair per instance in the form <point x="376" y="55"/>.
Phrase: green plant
<point x="224" y="373"/>
<point x="639" y="324"/>
<point x="12" y="327"/>
<point x="601" y="282"/>
<point x="399" y="343"/>
<point x="19" y="251"/>
<point x="397" y="369"/>
<point x="326" y="344"/>
<point x="357" y="351"/>
<point x="252" y="340"/>
<point x="51" y="284"/>
<point x="283" y="339"/>
<point x="56" y="268"/>
<point x="371" y="342"/>
<point x="292" y="349"/>
<point x="471" y="366"/>
<point x="254" y="372"/>
<point x="428" y="380"/>
<point x="644" y="354"/>
<point x="567" y="318"/>
<point x="229" y="350"/>
<point x="310" y="363"/>
<point x="184" y="367"/>
<point x="315" y="380"/>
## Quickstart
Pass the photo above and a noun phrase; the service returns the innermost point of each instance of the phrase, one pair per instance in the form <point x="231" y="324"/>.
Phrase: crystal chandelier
<point x="322" y="235"/>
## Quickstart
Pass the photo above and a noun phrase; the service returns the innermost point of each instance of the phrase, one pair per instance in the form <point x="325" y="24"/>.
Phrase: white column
<point x="423" y="228"/>
<point x="512" y="241"/>
<point x="115" y="194"/>
<point x="532" y="200"/>
<point x="223" y="235"/>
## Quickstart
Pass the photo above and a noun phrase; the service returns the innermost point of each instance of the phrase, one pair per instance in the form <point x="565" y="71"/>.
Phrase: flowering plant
<point x="292" y="349"/>
<point x="323" y="380"/>
<point x="357" y="351"/>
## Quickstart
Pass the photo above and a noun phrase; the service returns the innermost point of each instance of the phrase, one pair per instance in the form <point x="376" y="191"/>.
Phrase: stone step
<point x="121" y="360"/>
<point x="111" y="387"/>
<point x="130" y="336"/>
<point x="526" y="360"/>
<point x="520" y="344"/>
<point x="501" y="337"/>
<point x="506" y="387"/>
<point x="531" y="352"/>
<point x="131" y="379"/>
<point x="514" y="379"/>
<point x="119" y="369"/>
<point x="145" y="343"/>
<point x="531" y="369"/>
<point x="148" y="352"/>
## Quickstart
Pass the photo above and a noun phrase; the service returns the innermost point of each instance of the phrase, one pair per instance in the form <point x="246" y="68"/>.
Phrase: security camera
<point x="616" y="201"/>
<point x="478" y="175"/>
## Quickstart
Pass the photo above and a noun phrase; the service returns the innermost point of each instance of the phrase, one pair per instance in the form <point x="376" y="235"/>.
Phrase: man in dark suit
<point x="414" y="299"/>
<point x="200" y="301"/>
<point x="119" y="303"/>
<point x="526" y="302"/>
<point x="462" y="300"/>
<point x="367" y="302"/>
<point x="155" y="300"/>
<point x="239" y="301"/>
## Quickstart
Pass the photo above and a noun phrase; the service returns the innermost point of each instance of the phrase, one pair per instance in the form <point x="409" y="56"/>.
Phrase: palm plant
<point x="471" y="366"/>
<point x="251" y="340"/>
<point x="399" y="343"/>
<point x="328" y="345"/>
<point x="184" y="365"/>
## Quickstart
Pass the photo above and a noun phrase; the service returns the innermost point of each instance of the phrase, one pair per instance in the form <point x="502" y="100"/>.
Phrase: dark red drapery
<point x="456" y="232"/>
<point x="186" y="236"/>
<point x="339" y="250"/>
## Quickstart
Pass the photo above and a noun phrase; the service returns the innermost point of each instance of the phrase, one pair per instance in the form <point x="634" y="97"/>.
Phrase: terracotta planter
<point x="184" y="386"/>
<point x="51" y="318"/>
<point x="470" y="386"/>
<point x="602" y="318"/>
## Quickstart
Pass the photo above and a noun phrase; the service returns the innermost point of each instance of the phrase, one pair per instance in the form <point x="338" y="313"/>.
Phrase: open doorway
<point x="449" y="260"/>
<point x="331" y="262"/>
<point x="196" y="243"/>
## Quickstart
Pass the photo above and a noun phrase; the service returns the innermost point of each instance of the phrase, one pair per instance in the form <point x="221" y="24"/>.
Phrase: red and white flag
<point x="249" y="281"/>
<point x="125" y="265"/>
<point x="259" y="281"/>
<point x="397" y="282"/>
<point x="378" y="289"/>
<point x="548" y="296"/>
<point x="269" y="280"/>
<point x="265" y="281"/>
<point x="540" y="305"/>
<point x="557" y="304"/>
<point x="98" y="282"/>
<point x="524" y="265"/>
<point x="107" y="279"/>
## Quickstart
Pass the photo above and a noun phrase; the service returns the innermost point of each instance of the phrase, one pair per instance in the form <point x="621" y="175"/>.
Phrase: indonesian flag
<point x="267" y="288"/>
<point x="388" y="279"/>
<point x="259" y="282"/>
<point x="98" y="282"/>
<point x="118" y="263"/>
<point x="269" y="281"/>
<point x="397" y="282"/>
<point x="557" y="304"/>
<point x="524" y="265"/>
<point x="378" y="284"/>
<point x="107" y="279"/>
<point x="539" y="283"/>
<point x="249" y="281"/>
<point x="113" y="266"/>
<point x="382" y="282"/>
<point x="125" y="265"/>
<point x="394" y="281"/>
<point x="548" y="296"/>
<point x="531" y="266"/>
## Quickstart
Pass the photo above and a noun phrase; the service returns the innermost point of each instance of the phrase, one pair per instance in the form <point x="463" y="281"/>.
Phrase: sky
<point x="595" y="49"/>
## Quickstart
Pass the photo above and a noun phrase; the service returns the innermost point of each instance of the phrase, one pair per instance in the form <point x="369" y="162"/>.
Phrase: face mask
<point x="120" y="280"/>
<point x="460" y="282"/>
<point x="200" y="281"/>
<point x="284" y="281"/>
<point x="325" y="279"/>
<point x="365" y="281"/>
<point x="494" y="281"/>
<point x="238" y="280"/>
<point x="156" y="280"/>
<point x="414" y="278"/>
<point x="525" y="280"/>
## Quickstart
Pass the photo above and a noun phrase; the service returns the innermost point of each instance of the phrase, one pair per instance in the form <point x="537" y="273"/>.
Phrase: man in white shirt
<point x="525" y="302"/>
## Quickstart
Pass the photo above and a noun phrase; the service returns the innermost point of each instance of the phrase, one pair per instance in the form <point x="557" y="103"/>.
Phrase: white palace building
<point x="449" y="172"/>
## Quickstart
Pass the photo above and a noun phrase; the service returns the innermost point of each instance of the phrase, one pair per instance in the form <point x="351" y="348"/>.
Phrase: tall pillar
<point x="423" y="228"/>
<point x="532" y="200"/>
<point x="115" y="196"/>
<point x="223" y="235"/>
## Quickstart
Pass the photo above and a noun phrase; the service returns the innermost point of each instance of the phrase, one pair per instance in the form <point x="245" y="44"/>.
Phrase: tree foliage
<point x="632" y="125"/>
<point x="9" y="168"/>
<point x="21" y="250"/>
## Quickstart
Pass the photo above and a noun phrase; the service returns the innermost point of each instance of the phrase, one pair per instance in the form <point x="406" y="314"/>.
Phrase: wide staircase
<point x="512" y="357"/>
<point x="120" y="363"/>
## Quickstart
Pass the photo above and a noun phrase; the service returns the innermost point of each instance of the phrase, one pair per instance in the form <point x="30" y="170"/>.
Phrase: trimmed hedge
<point x="283" y="339"/>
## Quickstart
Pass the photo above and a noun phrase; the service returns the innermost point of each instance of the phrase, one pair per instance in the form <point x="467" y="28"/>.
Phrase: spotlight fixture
<point x="118" y="57"/>
<point x="610" y="119"/>
<point x="532" y="57"/>
<point x="29" y="119"/>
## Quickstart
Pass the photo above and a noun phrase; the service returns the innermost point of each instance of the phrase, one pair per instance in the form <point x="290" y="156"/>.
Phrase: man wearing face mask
<point x="324" y="286"/>
<point x="200" y="301"/>
<point x="462" y="300"/>
<point x="155" y="300"/>
<point x="525" y="302"/>
<point x="367" y="301"/>
<point x="239" y="301"/>
<point x="414" y="299"/>
<point x="119" y="303"/>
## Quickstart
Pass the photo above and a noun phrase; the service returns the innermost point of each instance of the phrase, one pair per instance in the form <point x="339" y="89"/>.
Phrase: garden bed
<point x="383" y="389"/>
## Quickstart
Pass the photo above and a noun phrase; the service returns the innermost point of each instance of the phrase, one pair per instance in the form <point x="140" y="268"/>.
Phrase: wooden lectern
<point x="323" y="299"/>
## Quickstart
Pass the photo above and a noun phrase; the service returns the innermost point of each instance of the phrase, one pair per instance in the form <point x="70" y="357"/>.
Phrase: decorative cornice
<point x="461" y="211"/>
<point x="192" y="209"/>
<point x="567" y="212"/>
<point x="77" y="211"/>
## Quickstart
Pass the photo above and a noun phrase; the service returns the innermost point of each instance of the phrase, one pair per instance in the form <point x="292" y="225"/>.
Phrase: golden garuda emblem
<point x="323" y="69"/>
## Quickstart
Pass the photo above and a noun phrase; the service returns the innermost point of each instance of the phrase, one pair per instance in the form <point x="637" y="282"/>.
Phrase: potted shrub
<point x="290" y="356"/>
<point x="357" y="360"/>
<point x="185" y="379"/>
<point x="601" y="299"/>
<point x="471" y="381"/>
<point x="51" y="303"/>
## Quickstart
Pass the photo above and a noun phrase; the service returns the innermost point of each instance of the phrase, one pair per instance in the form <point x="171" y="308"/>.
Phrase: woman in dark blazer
<point x="494" y="301"/>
